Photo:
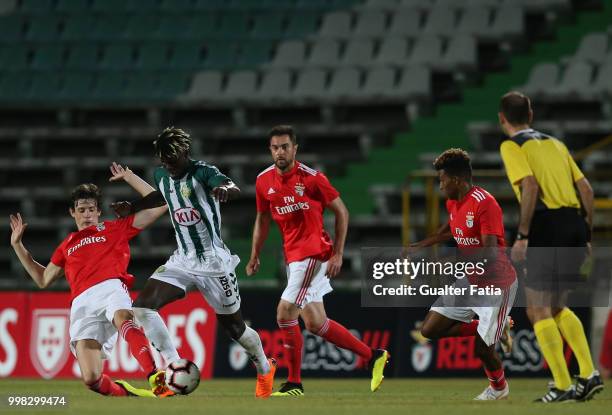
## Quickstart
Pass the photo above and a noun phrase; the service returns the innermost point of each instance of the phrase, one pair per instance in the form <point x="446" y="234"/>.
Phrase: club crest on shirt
<point x="185" y="190"/>
<point x="100" y="227"/>
<point x="299" y="189"/>
<point x="469" y="219"/>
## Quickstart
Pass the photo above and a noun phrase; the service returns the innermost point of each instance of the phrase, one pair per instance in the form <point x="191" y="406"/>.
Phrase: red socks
<point x="468" y="329"/>
<point x="139" y="346"/>
<point x="339" y="335"/>
<point x="497" y="379"/>
<point x="105" y="386"/>
<point x="293" y="342"/>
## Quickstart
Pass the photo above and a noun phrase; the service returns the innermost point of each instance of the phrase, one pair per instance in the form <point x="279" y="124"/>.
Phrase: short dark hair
<point x="516" y="107"/>
<point x="455" y="162"/>
<point x="283" y="130"/>
<point x="172" y="142"/>
<point x="85" y="191"/>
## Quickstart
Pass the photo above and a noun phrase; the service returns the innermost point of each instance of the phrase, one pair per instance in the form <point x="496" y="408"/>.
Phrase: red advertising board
<point x="34" y="339"/>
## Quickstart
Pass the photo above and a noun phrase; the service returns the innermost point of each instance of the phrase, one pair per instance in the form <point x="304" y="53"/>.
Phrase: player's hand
<point x="252" y="267"/>
<point x="122" y="209"/>
<point x="119" y="172"/>
<point x="589" y="249"/>
<point x="333" y="265"/>
<point x="18" y="227"/>
<point x="221" y="193"/>
<point x="519" y="251"/>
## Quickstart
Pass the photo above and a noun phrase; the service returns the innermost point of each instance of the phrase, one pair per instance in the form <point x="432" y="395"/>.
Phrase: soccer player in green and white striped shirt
<point x="193" y="191"/>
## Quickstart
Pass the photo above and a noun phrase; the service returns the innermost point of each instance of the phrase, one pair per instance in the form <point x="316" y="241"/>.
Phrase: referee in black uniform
<point x="555" y="223"/>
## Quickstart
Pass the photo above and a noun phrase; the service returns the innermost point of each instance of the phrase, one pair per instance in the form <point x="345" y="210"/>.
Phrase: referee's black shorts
<point x="557" y="249"/>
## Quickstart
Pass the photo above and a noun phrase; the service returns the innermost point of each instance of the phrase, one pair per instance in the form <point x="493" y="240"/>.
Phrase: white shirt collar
<point x="526" y="130"/>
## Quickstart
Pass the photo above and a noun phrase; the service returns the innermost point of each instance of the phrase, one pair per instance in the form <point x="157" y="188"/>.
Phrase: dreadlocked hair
<point x="171" y="143"/>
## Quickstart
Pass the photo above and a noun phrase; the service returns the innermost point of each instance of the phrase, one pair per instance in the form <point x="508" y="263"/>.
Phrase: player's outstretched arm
<point x="119" y="172"/>
<point x="341" y="228"/>
<point x="226" y="191"/>
<point x="443" y="234"/>
<point x="42" y="276"/>
<point x="260" y="234"/>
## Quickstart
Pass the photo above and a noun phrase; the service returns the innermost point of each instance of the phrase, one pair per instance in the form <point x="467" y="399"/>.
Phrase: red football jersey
<point x="96" y="253"/>
<point x="475" y="215"/>
<point x="296" y="201"/>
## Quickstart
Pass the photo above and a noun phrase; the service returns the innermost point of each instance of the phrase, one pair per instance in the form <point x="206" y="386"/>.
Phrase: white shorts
<point x="92" y="312"/>
<point x="491" y="319"/>
<point x="306" y="282"/>
<point x="221" y="292"/>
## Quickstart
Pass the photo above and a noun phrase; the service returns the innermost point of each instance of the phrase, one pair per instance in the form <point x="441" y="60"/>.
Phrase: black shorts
<point x="557" y="249"/>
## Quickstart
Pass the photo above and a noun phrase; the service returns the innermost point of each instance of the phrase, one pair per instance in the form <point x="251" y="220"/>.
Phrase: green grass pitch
<point x="337" y="397"/>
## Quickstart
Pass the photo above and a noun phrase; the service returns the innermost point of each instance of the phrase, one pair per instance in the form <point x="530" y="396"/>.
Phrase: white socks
<point x="157" y="333"/>
<point x="252" y="344"/>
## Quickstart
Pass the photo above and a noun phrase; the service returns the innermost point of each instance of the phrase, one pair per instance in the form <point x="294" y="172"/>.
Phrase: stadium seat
<point x="233" y="24"/>
<point x="153" y="56"/>
<point x="77" y="86"/>
<point x="82" y="57"/>
<point x="475" y="21"/>
<point x="15" y="58"/>
<point x="575" y="81"/>
<point x="109" y="86"/>
<point x="427" y="51"/>
<point x="310" y="84"/>
<point x="187" y="55"/>
<point x="72" y="6"/>
<point x="289" y="54"/>
<point x="371" y="24"/>
<point x="345" y="83"/>
<point x="325" y="53"/>
<point x="393" y="51"/>
<point x="109" y="27"/>
<point x="142" y="26"/>
<point x="206" y="85"/>
<point x="176" y="5"/>
<point x="48" y="57"/>
<point x="407" y="22"/>
<point x="108" y="6"/>
<point x="301" y="24"/>
<point x="543" y="77"/>
<point x="45" y="87"/>
<point x="220" y="55"/>
<point x="381" y="4"/>
<point x="142" y="6"/>
<point x="140" y="86"/>
<point x="441" y="22"/>
<point x="241" y="85"/>
<point x="420" y="4"/>
<point x="43" y="28"/>
<point x="603" y="82"/>
<point x="172" y="85"/>
<point x="117" y="56"/>
<point x="358" y="53"/>
<point x="268" y="25"/>
<point x="379" y="82"/>
<point x="461" y="53"/>
<point x="593" y="48"/>
<point x="36" y="6"/>
<point x="415" y="83"/>
<point x="336" y="25"/>
<point x="509" y="23"/>
<point x="78" y="27"/>
<point x="253" y="53"/>
<point x="275" y="84"/>
<point x="14" y="86"/>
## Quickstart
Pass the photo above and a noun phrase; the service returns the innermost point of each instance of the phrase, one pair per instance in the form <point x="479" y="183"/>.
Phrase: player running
<point x="475" y="221"/>
<point x="192" y="190"/>
<point x="94" y="260"/>
<point x="295" y="196"/>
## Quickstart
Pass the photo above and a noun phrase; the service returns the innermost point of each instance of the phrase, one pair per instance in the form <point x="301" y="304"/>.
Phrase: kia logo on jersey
<point x="186" y="216"/>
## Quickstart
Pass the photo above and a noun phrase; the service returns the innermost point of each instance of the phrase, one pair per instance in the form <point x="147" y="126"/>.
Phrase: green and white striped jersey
<point x="196" y="218"/>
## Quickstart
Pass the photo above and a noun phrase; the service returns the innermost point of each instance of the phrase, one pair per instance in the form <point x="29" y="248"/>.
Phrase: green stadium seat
<point x="301" y="24"/>
<point x="312" y="4"/>
<point x="142" y="6"/>
<point x="14" y="86"/>
<point x="48" y="57"/>
<point x="109" y="27"/>
<point x="15" y="57"/>
<point x="233" y="24"/>
<point x="220" y="55"/>
<point x="72" y="6"/>
<point x="142" y="26"/>
<point x="187" y="55"/>
<point x="185" y="26"/>
<point x="83" y="57"/>
<point x="211" y="4"/>
<point x="171" y="85"/>
<point x="253" y="53"/>
<point x="43" y="28"/>
<point x="108" y="6"/>
<point x="117" y="56"/>
<point x="45" y="86"/>
<point x="36" y="6"/>
<point x="152" y="56"/>
<point x="78" y="27"/>
<point x="11" y="28"/>
<point x="176" y="5"/>
<point x="109" y="86"/>
<point x="77" y="86"/>
<point x="141" y="86"/>
<point x="269" y="24"/>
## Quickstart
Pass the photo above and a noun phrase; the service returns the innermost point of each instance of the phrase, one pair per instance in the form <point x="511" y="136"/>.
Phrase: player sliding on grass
<point x="94" y="260"/>
<point x="295" y="196"/>
<point x="475" y="222"/>
<point x="192" y="190"/>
